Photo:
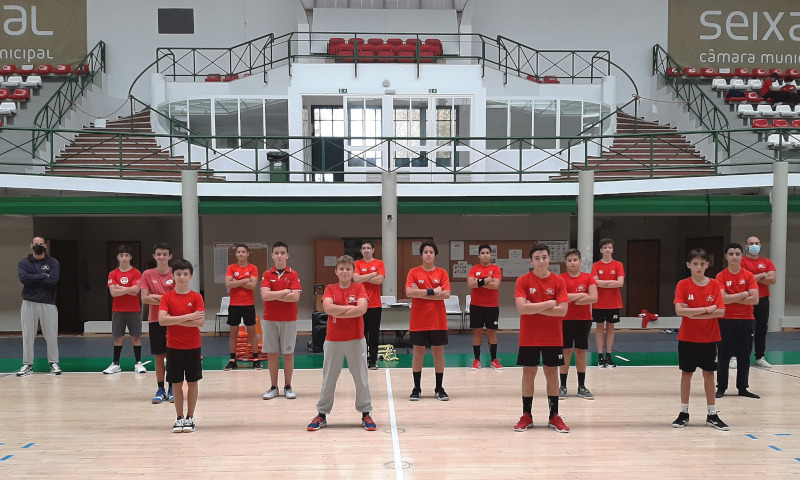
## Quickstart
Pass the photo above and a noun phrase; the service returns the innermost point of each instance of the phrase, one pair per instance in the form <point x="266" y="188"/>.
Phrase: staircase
<point x="629" y="157"/>
<point x="100" y="153"/>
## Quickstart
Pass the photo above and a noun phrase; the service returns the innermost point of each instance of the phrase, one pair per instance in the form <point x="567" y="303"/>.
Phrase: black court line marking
<point x="779" y="373"/>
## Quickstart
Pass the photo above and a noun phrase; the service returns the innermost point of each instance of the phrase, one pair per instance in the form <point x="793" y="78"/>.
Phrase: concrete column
<point x="389" y="231"/>
<point x="586" y="219"/>
<point x="191" y="224"/>
<point x="777" y="242"/>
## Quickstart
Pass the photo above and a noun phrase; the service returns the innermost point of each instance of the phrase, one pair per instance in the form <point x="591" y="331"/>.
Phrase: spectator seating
<point x="760" y="123"/>
<point x="44" y="69"/>
<point x="359" y="41"/>
<point x="708" y="73"/>
<point x="692" y="72"/>
<point x="734" y="98"/>
<point x="8" y="108"/>
<point x="213" y="77"/>
<point x="780" y="123"/>
<point x="4" y="93"/>
<point x="33" y="81"/>
<point x="746" y="110"/>
<point x="63" y="69"/>
<point x="12" y="81"/>
<point x="753" y="97"/>
<point x="720" y="84"/>
<point x="754" y="84"/>
<point x="394" y="41"/>
<point x="375" y="41"/>
<point x="672" y="72"/>
<point x="784" y="111"/>
<point x="20" y="94"/>
<point x="8" y="70"/>
<point x="766" y="111"/>
<point x="760" y="73"/>
<point x="25" y="69"/>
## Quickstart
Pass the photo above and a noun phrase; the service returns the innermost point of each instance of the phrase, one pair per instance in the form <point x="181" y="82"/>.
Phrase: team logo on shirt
<point x="710" y="298"/>
<point x="123" y="280"/>
<point x="45" y="267"/>
<point x="435" y="281"/>
<point x="581" y="288"/>
<point x="613" y="272"/>
<point x="728" y="283"/>
<point x="351" y="299"/>
<point x="420" y="281"/>
<point x="477" y="274"/>
<point x="531" y="291"/>
<point x="235" y="274"/>
<point x="189" y="304"/>
<point x="600" y="271"/>
<point x="691" y="296"/>
<point x="169" y="282"/>
<point x="363" y="269"/>
<point x="761" y="265"/>
<point x="741" y="282"/>
<point x="550" y="291"/>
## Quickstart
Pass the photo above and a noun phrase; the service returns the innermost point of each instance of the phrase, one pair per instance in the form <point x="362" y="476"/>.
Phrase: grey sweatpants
<point x="32" y="314"/>
<point x="356" y="353"/>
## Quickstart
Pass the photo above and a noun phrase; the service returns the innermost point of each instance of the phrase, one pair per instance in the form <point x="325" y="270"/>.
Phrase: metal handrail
<point x="525" y="60"/>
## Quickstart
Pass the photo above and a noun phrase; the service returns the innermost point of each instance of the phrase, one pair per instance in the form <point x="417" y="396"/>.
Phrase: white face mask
<point x="754" y="249"/>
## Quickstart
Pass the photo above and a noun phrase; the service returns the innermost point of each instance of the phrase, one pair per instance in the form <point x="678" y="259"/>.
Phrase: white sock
<point x="684" y="408"/>
<point x="712" y="409"/>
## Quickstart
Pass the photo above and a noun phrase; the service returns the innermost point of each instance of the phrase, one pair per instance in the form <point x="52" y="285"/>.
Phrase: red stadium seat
<point x="730" y="99"/>
<point x="780" y="123"/>
<point x="394" y="41"/>
<point x="742" y="73"/>
<point x="63" y="69"/>
<point x="550" y="79"/>
<point x="534" y="78"/>
<point x="359" y="41"/>
<point x="413" y="41"/>
<point x="426" y="56"/>
<point x="708" y="73"/>
<point x="760" y="123"/>
<point x="753" y="97"/>
<point x="375" y="41"/>
<point x="21" y="94"/>
<point x="214" y="77"/>
<point x="8" y="69"/>
<point x="344" y="55"/>
<point x="672" y="72"/>
<point x="773" y="71"/>
<point x="4" y="93"/>
<point x="793" y="72"/>
<point x="436" y="44"/>
<point x="44" y="69"/>
<point x="760" y="73"/>
<point x="692" y="72"/>
<point x="230" y="78"/>
<point x="385" y="53"/>
<point x="81" y="69"/>
<point x="406" y="56"/>
<point x="726" y="73"/>
<point x="332" y="43"/>
<point x="796" y="123"/>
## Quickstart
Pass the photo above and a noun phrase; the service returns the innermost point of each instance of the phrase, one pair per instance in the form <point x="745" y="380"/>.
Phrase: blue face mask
<point x="754" y="249"/>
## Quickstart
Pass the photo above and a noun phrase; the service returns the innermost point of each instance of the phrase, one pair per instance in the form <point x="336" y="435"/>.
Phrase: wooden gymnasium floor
<point x="87" y="425"/>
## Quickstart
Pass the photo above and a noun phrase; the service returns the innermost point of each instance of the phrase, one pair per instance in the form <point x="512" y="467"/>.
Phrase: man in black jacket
<point x="39" y="274"/>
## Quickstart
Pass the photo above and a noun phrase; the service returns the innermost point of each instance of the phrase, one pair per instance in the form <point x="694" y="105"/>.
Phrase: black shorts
<point x="692" y="355"/>
<point x="576" y="332"/>
<point x="158" y="338"/>
<point x="184" y="364"/>
<point x="480" y="317"/>
<point x="551" y="356"/>
<point x="602" y="315"/>
<point x="429" y="338"/>
<point x="239" y="313"/>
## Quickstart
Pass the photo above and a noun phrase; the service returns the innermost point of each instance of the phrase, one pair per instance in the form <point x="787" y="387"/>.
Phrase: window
<point x="570" y="120"/>
<point x="277" y="123"/>
<point x="251" y="115"/>
<point x="410" y="118"/>
<point x="364" y="120"/>
<point x="496" y="124"/>
<point x="328" y="121"/>
<point x="176" y="21"/>
<point x="226" y="122"/>
<point x="521" y="123"/>
<point x="544" y="124"/>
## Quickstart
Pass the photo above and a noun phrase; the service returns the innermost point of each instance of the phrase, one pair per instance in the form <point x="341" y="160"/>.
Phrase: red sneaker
<point x="557" y="422"/>
<point x="476" y="365"/>
<point x="525" y="421"/>
<point x="496" y="364"/>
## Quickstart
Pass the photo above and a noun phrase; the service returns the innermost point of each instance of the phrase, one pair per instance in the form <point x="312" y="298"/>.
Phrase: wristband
<point x="431" y="292"/>
<point x="481" y="282"/>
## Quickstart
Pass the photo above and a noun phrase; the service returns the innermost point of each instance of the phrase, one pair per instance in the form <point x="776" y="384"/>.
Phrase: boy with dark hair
<point x="371" y="272"/>
<point x="698" y="300"/>
<point x="345" y="302"/>
<point x="541" y="299"/>
<point x="610" y="276"/>
<point x="241" y="279"/>
<point x="428" y="286"/>
<point x="280" y="290"/>
<point x="582" y="293"/>
<point x="182" y="312"/>
<point x="484" y="310"/>
<point x="737" y="327"/>
<point x="126" y="311"/>
<point x="155" y="283"/>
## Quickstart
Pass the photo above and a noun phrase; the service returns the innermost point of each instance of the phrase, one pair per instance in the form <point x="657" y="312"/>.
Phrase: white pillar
<point x="389" y="231"/>
<point x="191" y="224"/>
<point x="586" y="218"/>
<point x="777" y="242"/>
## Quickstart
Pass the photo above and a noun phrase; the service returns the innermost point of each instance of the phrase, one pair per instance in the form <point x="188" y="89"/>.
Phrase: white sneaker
<point x="762" y="362"/>
<point x="177" y="427"/>
<point x="55" y="369"/>
<point x="113" y="368"/>
<point x="25" y="370"/>
<point x="289" y="393"/>
<point x="732" y="364"/>
<point x="271" y="393"/>
<point x="139" y="368"/>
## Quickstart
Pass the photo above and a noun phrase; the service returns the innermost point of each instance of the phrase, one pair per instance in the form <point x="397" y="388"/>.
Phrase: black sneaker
<point x="601" y="360"/>
<point x="714" y="421"/>
<point x="746" y="393"/>
<point x="416" y="393"/>
<point x="232" y="365"/>
<point x="372" y="366"/>
<point x="719" y="394"/>
<point x="610" y="362"/>
<point x="442" y="395"/>
<point x="682" y="420"/>
<point x="257" y="364"/>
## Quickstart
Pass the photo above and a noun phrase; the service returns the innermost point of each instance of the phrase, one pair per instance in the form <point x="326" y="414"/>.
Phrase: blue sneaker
<point x="368" y="423"/>
<point x="317" y="423"/>
<point x="160" y="396"/>
<point x="171" y="397"/>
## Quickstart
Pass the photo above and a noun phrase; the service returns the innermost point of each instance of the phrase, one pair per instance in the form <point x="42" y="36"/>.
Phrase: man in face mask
<point x="39" y="274"/>
<point x="764" y="271"/>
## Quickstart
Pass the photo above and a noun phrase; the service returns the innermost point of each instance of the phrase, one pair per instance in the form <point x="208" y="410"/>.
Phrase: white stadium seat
<point x="766" y="111"/>
<point x="746" y="110"/>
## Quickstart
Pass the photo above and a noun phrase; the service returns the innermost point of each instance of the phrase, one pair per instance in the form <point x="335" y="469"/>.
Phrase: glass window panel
<point x="251" y="117"/>
<point x="226" y="122"/>
<point x="496" y="124"/>
<point x="591" y="115"/>
<point x="325" y="113"/>
<point x="544" y="123"/>
<point x="521" y="119"/>
<point x="277" y="119"/>
<point x="338" y="114"/>
<point x="200" y="116"/>
<point x="570" y="121"/>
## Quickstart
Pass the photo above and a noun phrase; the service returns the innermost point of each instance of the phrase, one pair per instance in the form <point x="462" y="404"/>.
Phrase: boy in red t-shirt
<point x="241" y="279"/>
<point x="126" y="310"/>
<point x="698" y="300"/>
<point x="582" y="293"/>
<point x="484" y="280"/>
<point x="428" y="286"/>
<point x="764" y="271"/>
<point x="183" y="312"/>
<point x="154" y="283"/>
<point x="345" y="303"/>
<point x="541" y="299"/>
<point x="610" y="276"/>
<point x="371" y="272"/>
<point x="738" y="325"/>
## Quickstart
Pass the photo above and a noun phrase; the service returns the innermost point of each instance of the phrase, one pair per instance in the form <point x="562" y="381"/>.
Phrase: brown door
<point x="642" y="276"/>
<point x="67" y="293"/>
<point x="712" y="245"/>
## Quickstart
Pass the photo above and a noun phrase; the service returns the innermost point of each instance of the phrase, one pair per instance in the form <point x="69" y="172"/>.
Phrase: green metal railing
<point x="570" y="64"/>
<point x="703" y="107"/>
<point x="71" y="90"/>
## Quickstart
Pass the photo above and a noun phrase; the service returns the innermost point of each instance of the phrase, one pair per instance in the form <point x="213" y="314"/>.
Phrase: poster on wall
<point x="734" y="33"/>
<point x="43" y="32"/>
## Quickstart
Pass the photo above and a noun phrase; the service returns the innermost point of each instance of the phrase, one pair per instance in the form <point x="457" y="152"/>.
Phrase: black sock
<point x="137" y="352"/>
<point x="364" y="414"/>
<point x="581" y="379"/>
<point x="553" y="402"/>
<point x="527" y="405"/>
<point x="233" y="356"/>
<point x="417" y="379"/>
<point x="117" y="353"/>
<point x="255" y="356"/>
<point x="161" y="385"/>
<point x="563" y="377"/>
<point x="493" y="350"/>
<point x="287" y="386"/>
<point x="439" y="378"/>
<point x="476" y="350"/>
<point x="321" y="415"/>
<point x="170" y="386"/>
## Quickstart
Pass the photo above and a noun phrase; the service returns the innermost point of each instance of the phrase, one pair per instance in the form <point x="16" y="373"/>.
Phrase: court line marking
<point x="398" y="461"/>
<point x="775" y="448"/>
<point x="28" y="445"/>
<point x="751" y="436"/>
<point x="622" y="358"/>
<point x="5" y="458"/>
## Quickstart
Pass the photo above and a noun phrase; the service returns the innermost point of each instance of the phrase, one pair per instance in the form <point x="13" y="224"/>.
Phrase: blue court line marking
<point x="798" y="459"/>
<point x="29" y="445"/>
<point x="783" y="434"/>
<point x="5" y="458"/>
<point x="775" y="448"/>
<point x="751" y="436"/>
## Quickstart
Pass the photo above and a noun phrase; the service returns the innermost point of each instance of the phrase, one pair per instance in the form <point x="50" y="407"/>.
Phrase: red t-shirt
<point x="539" y="330"/>
<point x="699" y="330"/>
<point x="608" y="297"/>
<point x="481" y="296"/>
<point x="130" y="302"/>
<point x="176" y="304"/>
<point x="428" y="314"/>
<point x="241" y="295"/>
<point x="158" y="284"/>
<point x="276" y="310"/>
<point x="759" y="265"/>
<point x="741" y="282"/>
<point x="345" y="329"/>
<point x="373" y="290"/>
<point x="579" y="284"/>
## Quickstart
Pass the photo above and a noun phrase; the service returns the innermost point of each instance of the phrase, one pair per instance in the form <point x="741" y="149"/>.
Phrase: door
<point x="68" y="291"/>
<point x="642" y="276"/>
